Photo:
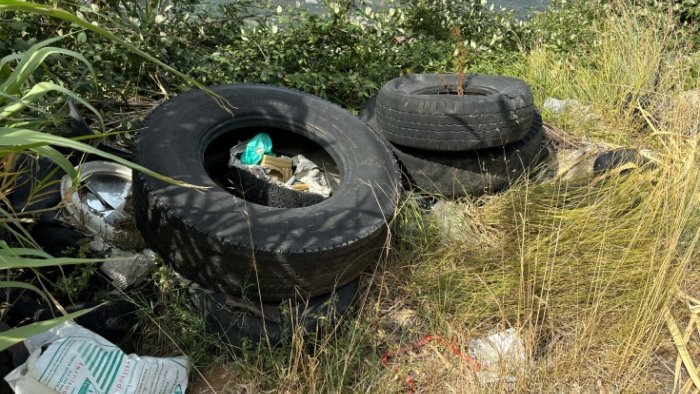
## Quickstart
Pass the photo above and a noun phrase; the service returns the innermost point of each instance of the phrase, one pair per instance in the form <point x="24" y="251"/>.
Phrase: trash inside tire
<point x="239" y="247"/>
<point x="426" y="111"/>
<point x="236" y="323"/>
<point x="474" y="173"/>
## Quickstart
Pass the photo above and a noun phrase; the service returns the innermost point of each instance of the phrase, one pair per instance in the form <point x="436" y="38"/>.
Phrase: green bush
<point x="343" y="52"/>
<point x="481" y="25"/>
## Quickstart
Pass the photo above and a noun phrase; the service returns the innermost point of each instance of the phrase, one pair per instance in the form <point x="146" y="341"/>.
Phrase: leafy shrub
<point x="29" y="91"/>
<point x="344" y="51"/>
<point x="480" y="24"/>
<point x="567" y="26"/>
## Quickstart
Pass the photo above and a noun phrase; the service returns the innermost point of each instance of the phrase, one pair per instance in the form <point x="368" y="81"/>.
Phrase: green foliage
<point x="23" y="95"/>
<point x="689" y="10"/>
<point x="113" y="37"/>
<point x="482" y="27"/>
<point x="343" y="51"/>
<point x="568" y="26"/>
<point x="20" y="90"/>
<point x="172" y="324"/>
<point x="29" y="258"/>
<point x="75" y="283"/>
<point x="688" y="14"/>
<point x="15" y="335"/>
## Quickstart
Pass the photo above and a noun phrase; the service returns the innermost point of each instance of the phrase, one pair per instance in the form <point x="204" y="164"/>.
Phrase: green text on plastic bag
<point x="257" y="147"/>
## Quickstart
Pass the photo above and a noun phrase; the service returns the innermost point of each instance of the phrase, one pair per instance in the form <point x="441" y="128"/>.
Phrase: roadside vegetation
<point x="597" y="273"/>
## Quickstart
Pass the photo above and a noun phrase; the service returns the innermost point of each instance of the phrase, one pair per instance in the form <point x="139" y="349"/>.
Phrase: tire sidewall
<point x="360" y="157"/>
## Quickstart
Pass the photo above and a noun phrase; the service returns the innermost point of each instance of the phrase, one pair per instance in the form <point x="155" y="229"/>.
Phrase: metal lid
<point x="101" y="202"/>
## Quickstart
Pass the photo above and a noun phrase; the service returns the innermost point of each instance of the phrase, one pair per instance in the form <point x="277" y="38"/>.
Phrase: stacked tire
<point x="459" y="135"/>
<point x="248" y="255"/>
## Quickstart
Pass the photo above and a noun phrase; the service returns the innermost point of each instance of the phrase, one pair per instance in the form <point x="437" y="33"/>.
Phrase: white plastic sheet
<point x="71" y="359"/>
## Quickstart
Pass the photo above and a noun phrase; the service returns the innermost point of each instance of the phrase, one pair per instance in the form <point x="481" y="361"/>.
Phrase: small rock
<point x="451" y="221"/>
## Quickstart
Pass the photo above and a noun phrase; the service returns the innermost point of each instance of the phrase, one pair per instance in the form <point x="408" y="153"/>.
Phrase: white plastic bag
<point x="71" y="359"/>
<point x="500" y="355"/>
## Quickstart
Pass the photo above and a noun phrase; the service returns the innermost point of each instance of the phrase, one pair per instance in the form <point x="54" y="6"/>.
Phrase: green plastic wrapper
<point x="257" y="147"/>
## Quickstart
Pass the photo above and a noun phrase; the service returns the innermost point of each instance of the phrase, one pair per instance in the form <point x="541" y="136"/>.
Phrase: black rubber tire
<point x="240" y="248"/>
<point x="469" y="173"/>
<point x="32" y="174"/>
<point x="236" y="325"/>
<point x="114" y="319"/>
<point x="615" y="158"/>
<point x="57" y="239"/>
<point x="253" y="189"/>
<point x="493" y="112"/>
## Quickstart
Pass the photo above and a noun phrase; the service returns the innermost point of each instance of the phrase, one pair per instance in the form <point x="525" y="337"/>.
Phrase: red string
<point x="410" y="382"/>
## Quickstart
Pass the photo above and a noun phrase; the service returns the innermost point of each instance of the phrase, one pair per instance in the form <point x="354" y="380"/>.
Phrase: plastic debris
<point x="559" y="106"/>
<point x="130" y="271"/>
<point x="278" y="167"/>
<point x="297" y="173"/>
<point x="256" y="148"/>
<point x="307" y="172"/>
<point x="500" y="356"/>
<point x="71" y="359"/>
<point x="235" y="153"/>
<point x="100" y="204"/>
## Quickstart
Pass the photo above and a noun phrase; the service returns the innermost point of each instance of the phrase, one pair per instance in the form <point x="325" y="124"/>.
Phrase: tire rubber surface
<point x="423" y="111"/>
<point x="236" y="325"/>
<point x="467" y="173"/>
<point x="226" y="243"/>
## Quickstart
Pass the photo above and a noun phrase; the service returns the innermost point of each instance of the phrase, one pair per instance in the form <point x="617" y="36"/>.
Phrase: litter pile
<point x="277" y="239"/>
<point x="282" y="181"/>
<point x="95" y="219"/>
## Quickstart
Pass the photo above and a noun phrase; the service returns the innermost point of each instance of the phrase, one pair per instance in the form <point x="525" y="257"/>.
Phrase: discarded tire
<point x="423" y="111"/>
<point x="458" y="174"/>
<point x="241" y="248"/>
<point x="236" y="323"/>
